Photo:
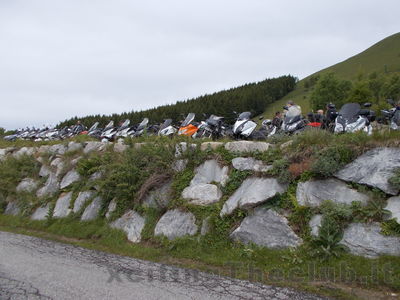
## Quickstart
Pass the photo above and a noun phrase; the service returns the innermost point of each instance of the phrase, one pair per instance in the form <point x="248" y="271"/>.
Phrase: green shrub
<point x="330" y="160"/>
<point x="13" y="170"/>
<point x="391" y="227"/>
<point x="326" y="245"/>
<point x="88" y="166"/>
<point x="395" y="179"/>
<point x="299" y="220"/>
<point x="280" y="169"/>
<point x="373" y="211"/>
<point x="236" y="178"/>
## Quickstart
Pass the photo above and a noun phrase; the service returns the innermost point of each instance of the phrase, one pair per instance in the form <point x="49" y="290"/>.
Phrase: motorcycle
<point x="268" y="129"/>
<point x="212" y="127"/>
<point x="108" y="132"/>
<point x="293" y="121"/>
<point x="141" y="128"/>
<point x="167" y="129"/>
<point x="351" y="118"/>
<point x="188" y="128"/>
<point x="392" y="115"/>
<point x="244" y="126"/>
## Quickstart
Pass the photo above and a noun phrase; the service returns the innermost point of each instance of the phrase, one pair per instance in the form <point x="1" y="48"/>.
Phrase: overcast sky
<point x="60" y="59"/>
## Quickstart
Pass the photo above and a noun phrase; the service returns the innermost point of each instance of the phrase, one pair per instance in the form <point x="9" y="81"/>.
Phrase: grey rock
<point x="94" y="146"/>
<point x="74" y="146"/>
<point x="24" y="151"/>
<point x="75" y="161"/>
<point x="41" y="212"/>
<point x="3" y="154"/>
<point x="314" y="192"/>
<point x="366" y="240"/>
<point x="210" y="171"/>
<point x="27" y="185"/>
<point x="59" y="149"/>
<point x="253" y="192"/>
<point x="393" y="205"/>
<point x="71" y="177"/>
<point x="51" y="186"/>
<point x="175" y="223"/>
<point x="41" y="159"/>
<point x="159" y="197"/>
<point x="250" y="164"/>
<point x="132" y="223"/>
<point x="247" y="146"/>
<point x="81" y="200"/>
<point x="202" y="194"/>
<point x="286" y="145"/>
<point x="12" y="208"/>
<point x="205" y="226"/>
<point x="43" y="149"/>
<point x="112" y="206"/>
<point x="210" y="145"/>
<point x="266" y="228"/>
<point x="58" y="164"/>
<point x="180" y="165"/>
<point x="62" y="209"/>
<point x="92" y="210"/>
<point x="182" y="148"/>
<point x="373" y="168"/>
<point x="120" y="147"/>
<point x="96" y="175"/>
<point x="44" y="171"/>
<point x="315" y="224"/>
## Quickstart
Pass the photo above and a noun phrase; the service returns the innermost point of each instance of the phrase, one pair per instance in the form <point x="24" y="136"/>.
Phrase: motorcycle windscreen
<point x="350" y="112"/>
<point x="166" y="123"/>
<point x="143" y="124"/>
<point x="94" y="126"/>
<point x="188" y="120"/>
<point x="244" y="116"/>
<point x="396" y="117"/>
<point x="125" y="124"/>
<point x="293" y="114"/>
<point x="213" y="120"/>
<point x="109" y="125"/>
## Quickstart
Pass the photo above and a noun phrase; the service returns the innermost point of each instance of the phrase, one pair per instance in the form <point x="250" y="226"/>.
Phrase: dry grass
<point x="153" y="182"/>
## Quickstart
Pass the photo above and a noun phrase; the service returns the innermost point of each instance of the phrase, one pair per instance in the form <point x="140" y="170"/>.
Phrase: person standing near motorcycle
<point x="277" y="120"/>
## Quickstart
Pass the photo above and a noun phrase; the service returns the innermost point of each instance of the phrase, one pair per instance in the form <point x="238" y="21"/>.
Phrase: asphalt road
<point x="33" y="268"/>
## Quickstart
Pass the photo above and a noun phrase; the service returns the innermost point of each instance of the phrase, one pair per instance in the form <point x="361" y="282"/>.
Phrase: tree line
<point x="253" y="97"/>
<point x="374" y="88"/>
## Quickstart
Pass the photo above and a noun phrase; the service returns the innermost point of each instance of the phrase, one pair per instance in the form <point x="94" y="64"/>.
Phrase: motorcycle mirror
<point x="367" y="104"/>
<point x="261" y="117"/>
<point x="235" y="112"/>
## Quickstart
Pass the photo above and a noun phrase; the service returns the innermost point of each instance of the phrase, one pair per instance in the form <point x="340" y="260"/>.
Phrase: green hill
<point x="381" y="58"/>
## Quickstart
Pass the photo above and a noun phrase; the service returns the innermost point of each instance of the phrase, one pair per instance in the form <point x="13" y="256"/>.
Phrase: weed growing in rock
<point x="299" y="220"/>
<point x="330" y="160"/>
<point x="280" y="169"/>
<point x="236" y="178"/>
<point x="391" y="228"/>
<point x="326" y="245"/>
<point x="395" y="179"/>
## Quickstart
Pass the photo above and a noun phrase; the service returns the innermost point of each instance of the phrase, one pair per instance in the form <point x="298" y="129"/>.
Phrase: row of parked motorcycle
<point x="350" y="118"/>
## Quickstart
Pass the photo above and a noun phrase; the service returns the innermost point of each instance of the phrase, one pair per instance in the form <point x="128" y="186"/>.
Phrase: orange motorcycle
<point x="187" y="127"/>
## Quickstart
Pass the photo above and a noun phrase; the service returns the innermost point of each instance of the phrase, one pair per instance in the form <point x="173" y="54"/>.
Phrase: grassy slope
<point x="374" y="59"/>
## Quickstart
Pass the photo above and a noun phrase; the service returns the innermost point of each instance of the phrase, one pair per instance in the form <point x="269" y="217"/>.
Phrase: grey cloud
<point x="64" y="58"/>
